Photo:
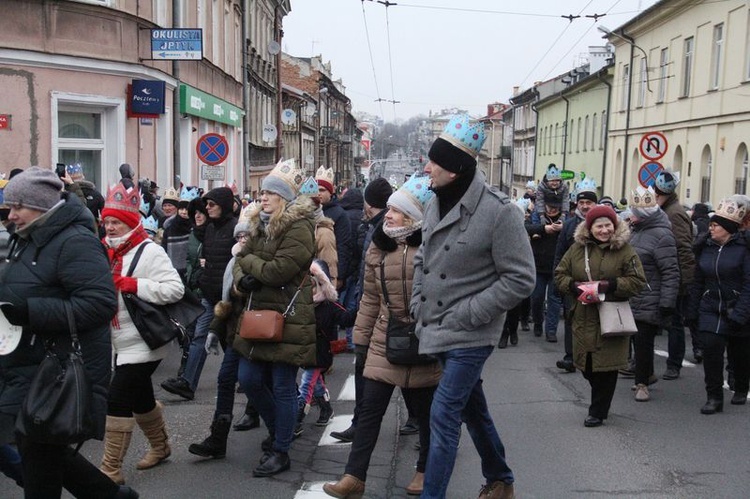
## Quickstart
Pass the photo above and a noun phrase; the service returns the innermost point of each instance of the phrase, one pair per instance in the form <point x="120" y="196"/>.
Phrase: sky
<point x="431" y="55"/>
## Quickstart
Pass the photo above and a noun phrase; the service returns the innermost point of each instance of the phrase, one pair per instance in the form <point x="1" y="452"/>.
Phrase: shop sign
<point x="201" y="104"/>
<point x="177" y="44"/>
<point x="147" y="97"/>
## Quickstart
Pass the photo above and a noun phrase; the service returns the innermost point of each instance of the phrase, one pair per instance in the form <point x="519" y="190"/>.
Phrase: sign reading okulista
<point x="197" y="103"/>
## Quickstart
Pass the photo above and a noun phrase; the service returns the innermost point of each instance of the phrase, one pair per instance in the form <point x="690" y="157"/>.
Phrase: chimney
<point x="516" y="90"/>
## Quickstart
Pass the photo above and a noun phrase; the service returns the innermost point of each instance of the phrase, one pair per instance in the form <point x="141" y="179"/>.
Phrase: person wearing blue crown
<point x="460" y="310"/>
<point x="551" y="187"/>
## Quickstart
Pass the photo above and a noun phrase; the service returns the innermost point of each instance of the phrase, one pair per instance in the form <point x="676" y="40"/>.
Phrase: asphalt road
<point x="663" y="448"/>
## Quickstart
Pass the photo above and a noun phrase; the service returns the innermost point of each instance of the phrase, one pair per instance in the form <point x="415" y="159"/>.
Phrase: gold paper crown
<point x="288" y="172"/>
<point x="325" y="174"/>
<point x="171" y="194"/>
<point x="120" y="198"/>
<point x="642" y="198"/>
<point x="731" y="211"/>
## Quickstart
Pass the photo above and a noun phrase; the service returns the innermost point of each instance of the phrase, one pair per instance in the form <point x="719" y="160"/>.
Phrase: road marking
<point x="311" y="490"/>
<point x="662" y="353"/>
<point x="347" y="391"/>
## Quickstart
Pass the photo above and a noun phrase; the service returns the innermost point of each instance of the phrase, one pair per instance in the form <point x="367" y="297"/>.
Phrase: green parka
<point x="279" y="257"/>
<point x="615" y="259"/>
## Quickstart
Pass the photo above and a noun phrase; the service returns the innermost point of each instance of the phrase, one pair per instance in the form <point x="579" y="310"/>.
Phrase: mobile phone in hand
<point x="60" y="170"/>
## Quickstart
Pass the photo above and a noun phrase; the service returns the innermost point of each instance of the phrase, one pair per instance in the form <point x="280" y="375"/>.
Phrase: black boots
<point x="326" y="411"/>
<point x="249" y="420"/>
<point x="503" y="343"/>
<point x="215" y="445"/>
<point x="712" y="406"/>
<point x="274" y="462"/>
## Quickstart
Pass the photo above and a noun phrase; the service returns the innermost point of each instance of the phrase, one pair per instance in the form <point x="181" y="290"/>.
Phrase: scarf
<point x="449" y="195"/>
<point x="399" y="234"/>
<point x="264" y="219"/>
<point x="116" y="250"/>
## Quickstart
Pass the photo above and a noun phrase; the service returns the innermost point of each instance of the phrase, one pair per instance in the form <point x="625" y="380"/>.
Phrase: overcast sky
<point x="447" y="53"/>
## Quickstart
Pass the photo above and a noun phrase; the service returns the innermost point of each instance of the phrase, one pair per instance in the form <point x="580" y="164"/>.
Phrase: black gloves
<point x="666" y="314"/>
<point x="574" y="288"/>
<point x="16" y="314"/>
<point x="248" y="284"/>
<point x="608" y="286"/>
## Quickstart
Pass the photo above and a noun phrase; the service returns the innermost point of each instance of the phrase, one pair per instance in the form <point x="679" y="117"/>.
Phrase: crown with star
<point x="309" y="187"/>
<point x="75" y="171"/>
<point x="553" y="172"/>
<point x="461" y="133"/>
<point x="150" y="224"/>
<point x="642" y="198"/>
<point x="730" y="210"/>
<point x="189" y="193"/>
<point x="586" y="185"/>
<point x="121" y="198"/>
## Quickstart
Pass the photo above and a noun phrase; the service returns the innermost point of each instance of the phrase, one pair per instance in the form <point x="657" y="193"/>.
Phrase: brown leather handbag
<point x="265" y="325"/>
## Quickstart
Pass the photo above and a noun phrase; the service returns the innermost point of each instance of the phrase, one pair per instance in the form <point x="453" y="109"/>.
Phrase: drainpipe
<point x="565" y="129"/>
<point x="606" y="126"/>
<point x="631" y="40"/>
<point x="245" y="101"/>
<point x="176" y="116"/>
<point x="277" y="33"/>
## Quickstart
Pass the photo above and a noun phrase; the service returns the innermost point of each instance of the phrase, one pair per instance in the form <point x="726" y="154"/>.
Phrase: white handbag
<point x="615" y="317"/>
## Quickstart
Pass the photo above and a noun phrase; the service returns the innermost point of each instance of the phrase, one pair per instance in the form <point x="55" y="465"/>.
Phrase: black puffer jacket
<point x="342" y="230"/>
<point x="353" y="204"/>
<point x="653" y="240"/>
<point x="543" y="245"/>
<point x="720" y="294"/>
<point x="62" y="261"/>
<point x="217" y="244"/>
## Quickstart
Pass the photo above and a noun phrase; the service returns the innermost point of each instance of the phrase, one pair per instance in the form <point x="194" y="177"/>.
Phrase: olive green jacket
<point x="615" y="259"/>
<point x="279" y="257"/>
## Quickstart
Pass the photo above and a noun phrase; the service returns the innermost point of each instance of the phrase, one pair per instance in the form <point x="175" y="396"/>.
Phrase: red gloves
<point x="589" y="292"/>
<point x="126" y="284"/>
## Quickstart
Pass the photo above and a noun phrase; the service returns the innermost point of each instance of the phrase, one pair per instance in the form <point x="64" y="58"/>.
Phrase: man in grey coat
<point x="460" y="309"/>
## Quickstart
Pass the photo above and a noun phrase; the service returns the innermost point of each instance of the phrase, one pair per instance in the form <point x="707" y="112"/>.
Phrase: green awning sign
<point x="567" y="174"/>
<point x="197" y="103"/>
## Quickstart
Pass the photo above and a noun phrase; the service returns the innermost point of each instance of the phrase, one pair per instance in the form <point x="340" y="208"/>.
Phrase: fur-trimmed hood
<point x="324" y="289"/>
<point x="301" y="208"/>
<point x="621" y="236"/>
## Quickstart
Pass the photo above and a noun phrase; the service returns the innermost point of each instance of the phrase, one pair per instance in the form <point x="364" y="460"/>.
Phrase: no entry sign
<point x="647" y="173"/>
<point x="212" y="149"/>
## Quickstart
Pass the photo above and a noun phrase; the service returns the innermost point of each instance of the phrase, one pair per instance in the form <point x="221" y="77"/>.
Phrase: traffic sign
<point x="212" y="172"/>
<point x="177" y="44"/>
<point x="653" y="145"/>
<point x="212" y="149"/>
<point x="647" y="173"/>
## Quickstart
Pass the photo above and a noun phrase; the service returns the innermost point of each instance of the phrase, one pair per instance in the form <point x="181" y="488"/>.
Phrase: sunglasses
<point x="210" y="204"/>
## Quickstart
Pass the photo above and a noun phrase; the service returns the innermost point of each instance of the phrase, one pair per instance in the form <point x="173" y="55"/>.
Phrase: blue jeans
<point x="226" y="381"/>
<point x="459" y="397"/>
<point x="312" y="384"/>
<point x="272" y="386"/>
<point x="545" y="288"/>
<point x="676" y="337"/>
<point x="197" y="355"/>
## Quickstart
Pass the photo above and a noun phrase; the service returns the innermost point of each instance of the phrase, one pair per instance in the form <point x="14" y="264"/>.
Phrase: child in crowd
<point x="329" y="316"/>
<point x="551" y="186"/>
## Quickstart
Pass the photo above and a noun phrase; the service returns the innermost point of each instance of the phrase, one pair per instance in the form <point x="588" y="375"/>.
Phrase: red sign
<point x="4" y="122"/>
<point x="653" y="145"/>
<point x="366" y="144"/>
<point x="212" y="149"/>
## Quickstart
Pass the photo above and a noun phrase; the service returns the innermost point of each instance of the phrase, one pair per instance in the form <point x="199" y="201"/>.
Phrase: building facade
<point x="66" y="68"/>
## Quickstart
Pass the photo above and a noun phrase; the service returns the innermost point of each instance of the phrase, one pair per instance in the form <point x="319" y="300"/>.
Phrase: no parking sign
<point x="647" y="173"/>
<point x="212" y="149"/>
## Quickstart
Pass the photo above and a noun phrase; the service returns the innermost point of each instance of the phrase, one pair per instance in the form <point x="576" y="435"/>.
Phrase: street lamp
<point x="630" y="41"/>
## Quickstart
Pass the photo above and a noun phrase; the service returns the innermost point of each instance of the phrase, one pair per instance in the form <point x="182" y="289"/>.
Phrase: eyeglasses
<point x="241" y="237"/>
<point x="210" y="204"/>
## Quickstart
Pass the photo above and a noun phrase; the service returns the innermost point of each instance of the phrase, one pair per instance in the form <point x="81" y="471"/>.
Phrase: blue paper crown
<point x="145" y="207"/>
<point x="74" y="169"/>
<point x="463" y="134"/>
<point x="150" y="224"/>
<point x="554" y="173"/>
<point x="309" y="187"/>
<point x="586" y="185"/>
<point x="523" y="203"/>
<point x="418" y="188"/>
<point x="189" y="193"/>
<point x="531" y="185"/>
<point x="667" y="181"/>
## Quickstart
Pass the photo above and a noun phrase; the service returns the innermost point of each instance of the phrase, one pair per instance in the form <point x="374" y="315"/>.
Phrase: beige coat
<point x="325" y="247"/>
<point x="372" y="318"/>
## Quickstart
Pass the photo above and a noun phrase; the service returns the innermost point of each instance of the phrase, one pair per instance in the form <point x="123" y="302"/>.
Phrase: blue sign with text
<point x="147" y="97"/>
<point x="177" y="44"/>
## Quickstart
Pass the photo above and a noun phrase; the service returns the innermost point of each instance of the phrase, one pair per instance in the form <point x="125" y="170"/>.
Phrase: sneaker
<point x="671" y="373"/>
<point x="641" y="393"/>
<point x="298" y="431"/>
<point x="344" y="436"/>
<point x="551" y="338"/>
<point x="179" y="386"/>
<point x="651" y="380"/>
<point x="326" y="413"/>
<point x="411" y="427"/>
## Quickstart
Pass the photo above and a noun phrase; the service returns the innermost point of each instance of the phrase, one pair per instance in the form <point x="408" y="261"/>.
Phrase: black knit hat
<point x="377" y="193"/>
<point x="450" y="157"/>
<point x="196" y="205"/>
<point x="224" y="197"/>
<point x="729" y="225"/>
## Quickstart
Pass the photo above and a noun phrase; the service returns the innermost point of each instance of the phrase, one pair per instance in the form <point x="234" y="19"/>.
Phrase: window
<point x="603" y="138"/>
<point x="555" y="139"/>
<point x="586" y="132"/>
<point x="215" y="31"/>
<point x="716" y="54"/>
<point x="594" y="131"/>
<point x="663" y="62"/>
<point x="687" y="65"/>
<point x="578" y="136"/>
<point x="570" y="137"/>
<point x="160" y="13"/>
<point x="642" y="83"/>
<point x="625" y="87"/>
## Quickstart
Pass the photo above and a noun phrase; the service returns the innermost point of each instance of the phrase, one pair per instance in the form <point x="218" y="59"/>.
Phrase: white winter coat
<point x="158" y="283"/>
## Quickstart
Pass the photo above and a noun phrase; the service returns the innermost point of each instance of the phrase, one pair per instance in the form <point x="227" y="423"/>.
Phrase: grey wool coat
<point x="473" y="266"/>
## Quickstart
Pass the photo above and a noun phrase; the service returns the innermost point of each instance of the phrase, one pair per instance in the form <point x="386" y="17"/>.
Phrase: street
<point x="658" y="449"/>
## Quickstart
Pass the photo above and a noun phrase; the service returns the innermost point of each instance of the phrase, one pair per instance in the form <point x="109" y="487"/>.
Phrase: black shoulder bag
<point x="57" y="407"/>
<point x="160" y="324"/>
<point x="401" y="342"/>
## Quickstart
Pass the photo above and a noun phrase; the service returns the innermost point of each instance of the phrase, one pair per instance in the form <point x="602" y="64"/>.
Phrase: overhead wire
<point x="390" y="59"/>
<point x="372" y="61"/>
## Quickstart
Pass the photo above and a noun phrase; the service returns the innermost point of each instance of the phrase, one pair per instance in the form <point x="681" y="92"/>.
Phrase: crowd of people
<point x="367" y="262"/>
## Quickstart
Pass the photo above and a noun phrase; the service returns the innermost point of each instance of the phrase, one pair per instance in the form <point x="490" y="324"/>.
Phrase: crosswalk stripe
<point x="662" y="353"/>
<point x="347" y="391"/>
<point x="338" y="423"/>
<point x="311" y="490"/>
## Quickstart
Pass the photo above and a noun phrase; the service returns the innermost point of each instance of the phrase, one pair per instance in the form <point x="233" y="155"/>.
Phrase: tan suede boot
<point x="416" y="485"/>
<point x="152" y="424"/>
<point x="349" y="487"/>
<point x="118" y="432"/>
